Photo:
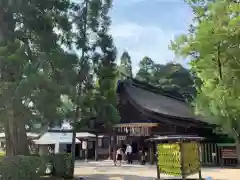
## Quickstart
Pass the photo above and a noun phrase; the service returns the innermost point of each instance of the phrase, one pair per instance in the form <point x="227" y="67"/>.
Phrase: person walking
<point x="129" y="153"/>
<point x="143" y="155"/>
<point x="119" y="156"/>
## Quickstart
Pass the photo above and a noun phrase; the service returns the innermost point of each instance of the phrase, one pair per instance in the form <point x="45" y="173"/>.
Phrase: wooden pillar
<point x="86" y="155"/>
<point x="156" y="161"/>
<point x="151" y="153"/>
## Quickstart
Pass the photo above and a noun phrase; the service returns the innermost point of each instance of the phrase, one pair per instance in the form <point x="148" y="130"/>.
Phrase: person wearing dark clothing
<point x="129" y="157"/>
<point x="119" y="156"/>
<point x="143" y="157"/>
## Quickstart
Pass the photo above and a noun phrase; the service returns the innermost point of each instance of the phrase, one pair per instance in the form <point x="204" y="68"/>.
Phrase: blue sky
<point x="145" y="27"/>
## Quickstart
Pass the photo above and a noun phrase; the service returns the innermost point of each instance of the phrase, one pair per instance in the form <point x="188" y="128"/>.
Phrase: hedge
<point x="2" y="155"/>
<point x="19" y="168"/>
<point x="33" y="167"/>
<point x="62" y="165"/>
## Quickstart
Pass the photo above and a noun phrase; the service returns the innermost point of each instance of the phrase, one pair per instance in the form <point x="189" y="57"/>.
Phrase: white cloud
<point x="142" y="41"/>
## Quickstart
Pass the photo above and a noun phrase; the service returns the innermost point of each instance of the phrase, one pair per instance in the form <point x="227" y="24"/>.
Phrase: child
<point x="119" y="156"/>
<point x="143" y="155"/>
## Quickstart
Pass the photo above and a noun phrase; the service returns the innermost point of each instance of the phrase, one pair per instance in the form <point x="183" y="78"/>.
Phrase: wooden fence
<point x="213" y="154"/>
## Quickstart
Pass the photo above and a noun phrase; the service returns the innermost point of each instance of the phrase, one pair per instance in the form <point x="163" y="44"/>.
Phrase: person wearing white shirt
<point x="128" y="152"/>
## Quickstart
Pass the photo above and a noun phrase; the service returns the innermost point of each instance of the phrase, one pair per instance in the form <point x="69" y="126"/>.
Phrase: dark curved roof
<point x="169" y="93"/>
<point x="166" y="103"/>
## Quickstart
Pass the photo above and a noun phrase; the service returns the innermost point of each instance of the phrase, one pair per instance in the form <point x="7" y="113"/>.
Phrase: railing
<point x="213" y="154"/>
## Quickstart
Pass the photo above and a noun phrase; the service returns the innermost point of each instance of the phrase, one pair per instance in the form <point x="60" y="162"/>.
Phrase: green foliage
<point x="213" y="46"/>
<point x="61" y="165"/>
<point x="125" y="67"/>
<point x="20" y="167"/>
<point x="170" y="77"/>
<point x="146" y="67"/>
<point x="36" y="71"/>
<point x="33" y="167"/>
<point x="33" y="65"/>
<point x="47" y="51"/>
<point x="2" y="154"/>
<point x="104" y="101"/>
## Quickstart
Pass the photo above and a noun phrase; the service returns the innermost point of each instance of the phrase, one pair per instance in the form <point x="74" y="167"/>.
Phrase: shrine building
<point x="147" y="111"/>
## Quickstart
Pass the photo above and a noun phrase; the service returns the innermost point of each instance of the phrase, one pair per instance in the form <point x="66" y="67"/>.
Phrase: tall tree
<point x="146" y="67"/>
<point x="174" y="76"/>
<point x="213" y="46"/>
<point x="125" y="67"/>
<point x="96" y="62"/>
<point x="85" y="20"/>
<point x="30" y="68"/>
<point x="171" y="76"/>
<point x="106" y="73"/>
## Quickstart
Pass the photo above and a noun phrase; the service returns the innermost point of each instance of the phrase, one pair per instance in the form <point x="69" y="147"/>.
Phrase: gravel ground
<point x="104" y="170"/>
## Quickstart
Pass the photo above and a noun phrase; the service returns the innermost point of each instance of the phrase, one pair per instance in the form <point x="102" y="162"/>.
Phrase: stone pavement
<point x="105" y="170"/>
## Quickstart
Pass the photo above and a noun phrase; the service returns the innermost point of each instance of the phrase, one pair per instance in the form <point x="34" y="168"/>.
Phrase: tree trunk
<point x="73" y="150"/>
<point x="238" y="150"/>
<point x="110" y="147"/>
<point x="15" y="135"/>
<point x="96" y="148"/>
<point x="23" y="145"/>
<point x="114" y="147"/>
<point x="10" y="147"/>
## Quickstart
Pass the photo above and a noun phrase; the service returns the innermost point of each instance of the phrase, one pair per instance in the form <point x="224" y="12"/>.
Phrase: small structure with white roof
<point x="30" y="136"/>
<point x="60" y="139"/>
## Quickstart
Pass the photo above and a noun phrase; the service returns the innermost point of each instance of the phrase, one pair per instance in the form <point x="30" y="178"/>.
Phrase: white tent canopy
<point x="84" y="135"/>
<point x="29" y="134"/>
<point x="56" y="138"/>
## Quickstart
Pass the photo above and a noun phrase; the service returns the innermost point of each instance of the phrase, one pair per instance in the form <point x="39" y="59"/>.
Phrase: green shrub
<point x="33" y="167"/>
<point x="61" y="165"/>
<point x="2" y="155"/>
<point x="20" y="167"/>
<point x="45" y="160"/>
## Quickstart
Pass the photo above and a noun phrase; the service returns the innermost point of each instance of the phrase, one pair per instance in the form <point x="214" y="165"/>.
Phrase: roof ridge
<point x="154" y="89"/>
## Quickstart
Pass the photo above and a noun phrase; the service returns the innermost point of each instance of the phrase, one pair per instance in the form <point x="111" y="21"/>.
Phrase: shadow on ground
<point x="115" y="177"/>
<point x="126" y="177"/>
<point x="110" y="164"/>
